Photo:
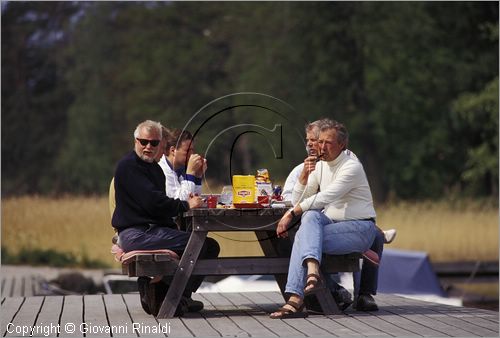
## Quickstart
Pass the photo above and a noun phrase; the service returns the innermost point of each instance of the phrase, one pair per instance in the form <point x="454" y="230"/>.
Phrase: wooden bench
<point x="165" y="265"/>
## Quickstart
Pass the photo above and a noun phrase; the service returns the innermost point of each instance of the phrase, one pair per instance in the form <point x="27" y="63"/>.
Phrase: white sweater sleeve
<point x="176" y="187"/>
<point x="182" y="190"/>
<point x="290" y="182"/>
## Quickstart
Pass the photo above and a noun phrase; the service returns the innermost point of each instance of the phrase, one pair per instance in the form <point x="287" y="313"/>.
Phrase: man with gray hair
<point x="339" y="217"/>
<point x="144" y="213"/>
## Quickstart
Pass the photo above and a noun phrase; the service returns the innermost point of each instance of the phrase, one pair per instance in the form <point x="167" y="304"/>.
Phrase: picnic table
<point x="274" y="262"/>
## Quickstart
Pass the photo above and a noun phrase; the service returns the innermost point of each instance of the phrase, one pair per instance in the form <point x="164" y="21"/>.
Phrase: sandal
<point x="317" y="284"/>
<point x="283" y="312"/>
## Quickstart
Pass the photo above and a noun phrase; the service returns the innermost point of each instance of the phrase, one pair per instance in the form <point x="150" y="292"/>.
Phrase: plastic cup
<point x="212" y="201"/>
<point x="263" y="200"/>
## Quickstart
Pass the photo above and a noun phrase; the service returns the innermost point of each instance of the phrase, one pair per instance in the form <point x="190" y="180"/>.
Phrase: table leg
<point x="274" y="247"/>
<point x="182" y="275"/>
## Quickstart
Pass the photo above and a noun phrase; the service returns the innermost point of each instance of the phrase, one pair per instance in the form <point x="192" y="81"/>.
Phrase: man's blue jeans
<point x="318" y="234"/>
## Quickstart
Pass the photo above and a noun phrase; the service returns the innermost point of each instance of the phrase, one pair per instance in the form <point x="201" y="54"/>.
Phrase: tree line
<point x="416" y="84"/>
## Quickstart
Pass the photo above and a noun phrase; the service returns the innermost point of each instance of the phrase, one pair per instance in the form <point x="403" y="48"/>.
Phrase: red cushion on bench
<point x="371" y="256"/>
<point x="121" y="256"/>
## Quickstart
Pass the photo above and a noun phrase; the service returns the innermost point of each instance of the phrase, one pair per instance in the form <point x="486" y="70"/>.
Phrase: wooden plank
<point x="246" y="314"/>
<point x="333" y="328"/>
<point x="403" y="324"/>
<point x="262" y="301"/>
<point x="249" y="323"/>
<point x="242" y="303"/>
<point x="152" y="268"/>
<point x="302" y="325"/>
<point x="18" y="286"/>
<point x="390" y="313"/>
<point x="237" y="265"/>
<point x="431" y="310"/>
<point x="198" y="325"/>
<point x="418" y="314"/>
<point x="2" y="286"/>
<point x="358" y="326"/>
<point x="8" y="286"/>
<point x="241" y="266"/>
<point x="94" y="317"/>
<point x="119" y="319"/>
<point x="49" y="315"/>
<point x="219" y="320"/>
<point x="10" y="308"/>
<point x="203" y="212"/>
<point x="217" y="301"/>
<point x="485" y="323"/>
<point x="374" y="319"/>
<point x="36" y="284"/>
<point x="468" y="326"/>
<point x="27" y="314"/>
<point x="72" y="314"/>
<point x="308" y="327"/>
<point x="137" y="315"/>
<point x="265" y="265"/>
<point x="237" y="223"/>
<point x="282" y="328"/>
<point x="28" y="286"/>
<point x="366" y="325"/>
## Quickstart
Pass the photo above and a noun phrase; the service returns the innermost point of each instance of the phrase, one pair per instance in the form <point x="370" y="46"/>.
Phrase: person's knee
<point x="378" y="243"/>
<point x="311" y="217"/>
<point x="212" y="248"/>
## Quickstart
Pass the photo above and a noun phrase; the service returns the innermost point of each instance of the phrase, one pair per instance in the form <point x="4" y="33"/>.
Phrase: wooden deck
<point x="225" y="314"/>
<point x="235" y="314"/>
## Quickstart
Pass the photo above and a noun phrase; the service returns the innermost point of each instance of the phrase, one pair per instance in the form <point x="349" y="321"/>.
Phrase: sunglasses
<point x="145" y="142"/>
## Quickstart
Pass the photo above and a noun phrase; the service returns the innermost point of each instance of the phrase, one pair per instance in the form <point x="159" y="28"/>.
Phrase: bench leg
<point x="271" y="248"/>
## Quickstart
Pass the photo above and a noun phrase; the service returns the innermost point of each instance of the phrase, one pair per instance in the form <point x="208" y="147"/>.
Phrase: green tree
<point x="478" y="117"/>
<point x="80" y="75"/>
<point x="129" y="62"/>
<point x="34" y="94"/>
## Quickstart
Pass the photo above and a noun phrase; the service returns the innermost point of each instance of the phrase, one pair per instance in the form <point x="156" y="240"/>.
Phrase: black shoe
<point x="342" y="297"/>
<point x="194" y="305"/>
<point x="143" y="286"/>
<point x="366" y="303"/>
<point x="182" y="308"/>
<point x="157" y="293"/>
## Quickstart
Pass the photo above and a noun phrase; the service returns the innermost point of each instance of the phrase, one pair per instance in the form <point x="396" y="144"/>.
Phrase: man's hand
<point x="281" y="229"/>
<point x="309" y="166"/>
<point x="195" y="165"/>
<point x="194" y="201"/>
<point x="203" y="168"/>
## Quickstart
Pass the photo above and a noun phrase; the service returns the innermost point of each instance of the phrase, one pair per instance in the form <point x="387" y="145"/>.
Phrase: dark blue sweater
<point x="140" y="195"/>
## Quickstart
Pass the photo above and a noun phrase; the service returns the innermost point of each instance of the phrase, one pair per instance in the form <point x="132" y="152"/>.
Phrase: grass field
<point x="448" y="231"/>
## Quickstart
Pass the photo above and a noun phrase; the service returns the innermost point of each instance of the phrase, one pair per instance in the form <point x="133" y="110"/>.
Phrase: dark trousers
<point x="156" y="237"/>
<point x="366" y="281"/>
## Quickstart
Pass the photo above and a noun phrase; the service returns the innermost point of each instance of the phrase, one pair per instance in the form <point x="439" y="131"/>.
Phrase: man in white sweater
<point x="366" y="281"/>
<point x="338" y="215"/>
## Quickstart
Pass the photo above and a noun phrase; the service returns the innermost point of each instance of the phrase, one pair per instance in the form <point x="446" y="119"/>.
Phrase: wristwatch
<point x="293" y="212"/>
